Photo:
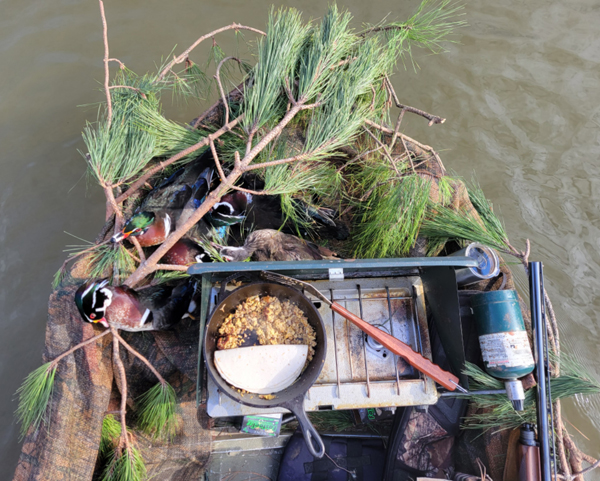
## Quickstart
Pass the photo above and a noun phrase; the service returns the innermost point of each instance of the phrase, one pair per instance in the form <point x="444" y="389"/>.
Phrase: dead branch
<point x="251" y="192"/>
<point x="385" y="150"/>
<point x="397" y="129"/>
<point x="111" y="202"/>
<point x="186" y="53"/>
<point x="121" y="64"/>
<point x="382" y="128"/>
<point x="134" y="257"/>
<point x="263" y="165"/>
<point x="218" y="78"/>
<point x="433" y="119"/>
<point x="140" y="357"/>
<point x="216" y="159"/>
<point x="121" y="370"/>
<point x="138" y="247"/>
<point x="106" y="71"/>
<point x="161" y="165"/>
<point x="558" y="426"/>
<point x="55" y="361"/>
<point x="427" y="148"/>
<point x="211" y="110"/>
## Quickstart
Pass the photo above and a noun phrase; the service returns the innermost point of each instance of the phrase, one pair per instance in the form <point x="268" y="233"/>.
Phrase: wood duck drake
<point x="230" y="210"/>
<point x="273" y="245"/>
<point x="152" y="309"/>
<point x="186" y="252"/>
<point x="172" y="201"/>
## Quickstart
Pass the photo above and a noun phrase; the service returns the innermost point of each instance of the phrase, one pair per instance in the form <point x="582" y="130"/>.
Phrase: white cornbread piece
<point x="261" y="369"/>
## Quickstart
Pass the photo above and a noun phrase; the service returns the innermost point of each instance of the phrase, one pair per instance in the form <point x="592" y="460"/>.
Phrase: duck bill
<point x="103" y="321"/>
<point x="119" y="236"/>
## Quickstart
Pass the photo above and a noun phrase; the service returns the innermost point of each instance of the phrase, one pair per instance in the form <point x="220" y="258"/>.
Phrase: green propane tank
<point x="503" y="340"/>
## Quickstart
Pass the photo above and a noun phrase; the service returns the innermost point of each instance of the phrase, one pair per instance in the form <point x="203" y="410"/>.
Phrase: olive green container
<point x="502" y="335"/>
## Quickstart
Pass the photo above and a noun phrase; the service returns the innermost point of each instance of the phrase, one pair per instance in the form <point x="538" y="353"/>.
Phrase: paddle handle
<point x="420" y="363"/>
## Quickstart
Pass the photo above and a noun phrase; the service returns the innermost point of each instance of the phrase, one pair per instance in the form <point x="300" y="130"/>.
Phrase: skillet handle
<point x="313" y="440"/>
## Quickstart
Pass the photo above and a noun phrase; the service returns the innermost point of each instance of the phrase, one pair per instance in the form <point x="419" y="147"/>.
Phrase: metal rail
<point x="349" y="265"/>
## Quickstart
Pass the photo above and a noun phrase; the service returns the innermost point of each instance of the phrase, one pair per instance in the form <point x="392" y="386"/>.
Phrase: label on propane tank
<point x="506" y="349"/>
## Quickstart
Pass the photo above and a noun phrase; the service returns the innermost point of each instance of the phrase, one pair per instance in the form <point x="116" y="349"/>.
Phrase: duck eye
<point x="92" y="316"/>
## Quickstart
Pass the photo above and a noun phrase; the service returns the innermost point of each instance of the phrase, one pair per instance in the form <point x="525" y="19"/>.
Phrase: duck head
<point x="136" y="226"/>
<point x="92" y="299"/>
<point x="232" y="254"/>
<point x="230" y="210"/>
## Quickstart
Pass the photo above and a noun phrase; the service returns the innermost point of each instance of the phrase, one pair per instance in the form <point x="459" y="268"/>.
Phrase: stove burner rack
<point x="211" y="273"/>
<point x="416" y="343"/>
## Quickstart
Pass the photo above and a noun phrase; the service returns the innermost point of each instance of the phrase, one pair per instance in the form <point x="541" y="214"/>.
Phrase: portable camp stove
<point x="358" y="371"/>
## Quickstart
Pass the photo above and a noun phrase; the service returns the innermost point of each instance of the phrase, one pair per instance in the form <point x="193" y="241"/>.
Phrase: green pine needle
<point x="171" y="137"/>
<point x="445" y="223"/>
<point x="331" y="420"/>
<point x="157" y="412"/>
<point x="58" y="277"/>
<point x="306" y="180"/>
<point x="277" y="57"/>
<point x="118" y="153"/>
<point x="430" y="26"/>
<point x="498" y="413"/>
<point x="485" y="210"/>
<point x="127" y="465"/>
<point x="34" y="398"/>
<point x="162" y="277"/>
<point x="111" y="432"/>
<point x="103" y="260"/>
<point x="390" y="220"/>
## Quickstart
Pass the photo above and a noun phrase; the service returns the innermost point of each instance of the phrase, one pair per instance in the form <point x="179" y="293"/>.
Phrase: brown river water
<point x="520" y="90"/>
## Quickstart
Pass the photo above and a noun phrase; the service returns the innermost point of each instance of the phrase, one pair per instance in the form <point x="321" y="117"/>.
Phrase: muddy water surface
<point x="521" y="92"/>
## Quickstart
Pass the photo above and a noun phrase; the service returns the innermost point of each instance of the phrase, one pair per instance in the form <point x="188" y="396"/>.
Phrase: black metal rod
<point x="536" y="296"/>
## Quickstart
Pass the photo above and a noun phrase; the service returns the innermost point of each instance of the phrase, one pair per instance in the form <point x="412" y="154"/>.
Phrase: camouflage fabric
<point x="67" y="447"/>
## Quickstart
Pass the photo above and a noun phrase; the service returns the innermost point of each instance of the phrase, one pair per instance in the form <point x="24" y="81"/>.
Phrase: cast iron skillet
<point x="292" y="397"/>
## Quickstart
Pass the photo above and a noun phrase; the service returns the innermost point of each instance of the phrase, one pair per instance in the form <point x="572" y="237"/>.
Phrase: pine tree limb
<point x="186" y="53"/>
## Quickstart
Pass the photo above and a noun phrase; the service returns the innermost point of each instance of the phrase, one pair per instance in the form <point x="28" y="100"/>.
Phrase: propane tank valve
<point x="516" y="393"/>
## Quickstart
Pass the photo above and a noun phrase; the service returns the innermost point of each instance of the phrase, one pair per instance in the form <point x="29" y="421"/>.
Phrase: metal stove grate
<point x="357" y="372"/>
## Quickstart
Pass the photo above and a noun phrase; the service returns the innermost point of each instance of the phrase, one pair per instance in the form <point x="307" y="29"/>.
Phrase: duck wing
<point x="168" y="304"/>
<point x="199" y="190"/>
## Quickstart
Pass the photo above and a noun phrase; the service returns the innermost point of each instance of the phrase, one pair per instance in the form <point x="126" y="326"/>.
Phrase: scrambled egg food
<point x="266" y="320"/>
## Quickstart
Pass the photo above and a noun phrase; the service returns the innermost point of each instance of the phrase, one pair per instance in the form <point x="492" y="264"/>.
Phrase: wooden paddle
<point x="416" y="360"/>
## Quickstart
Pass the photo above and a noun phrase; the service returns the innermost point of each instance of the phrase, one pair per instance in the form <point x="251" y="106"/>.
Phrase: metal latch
<point x="336" y="274"/>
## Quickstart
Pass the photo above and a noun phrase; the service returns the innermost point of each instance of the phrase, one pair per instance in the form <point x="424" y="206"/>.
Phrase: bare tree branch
<point x="140" y="357"/>
<point x="121" y="370"/>
<point x="55" y="361"/>
<point x="216" y="159"/>
<point x="121" y="64"/>
<point x="271" y="163"/>
<point x="138" y="247"/>
<point x="106" y="71"/>
<point x="406" y="137"/>
<point x="184" y="55"/>
<point x="397" y="129"/>
<point x="433" y="119"/>
<point x="218" y="78"/>
<point x="385" y="150"/>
